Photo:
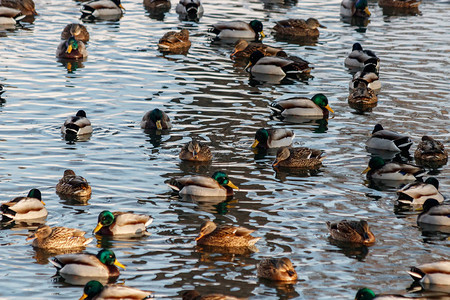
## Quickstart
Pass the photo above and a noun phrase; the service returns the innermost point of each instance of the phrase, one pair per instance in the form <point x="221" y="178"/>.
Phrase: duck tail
<point x="19" y="17"/>
<point x="253" y="241"/>
<point x="276" y="108"/>
<point x="403" y="143"/>
<point x="175" y="185"/>
<point x="150" y="221"/>
<point x="416" y="273"/>
<point x="56" y="263"/>
<point x="87" y="12"/>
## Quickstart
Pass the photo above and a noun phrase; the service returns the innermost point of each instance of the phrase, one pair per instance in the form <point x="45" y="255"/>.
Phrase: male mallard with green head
<point x="58" y="238"/>
<point x="215" y="186"/>
<point x="358" y="57"/>
<point x="77" y="125"/>
<point x="434" y="214"/>
<point x="277" y="269"/>
<point x="122" y="223"/>
<point x="189" y="10"/>
<point x="156" y="119"/>
<point x="24" y="208"/>
<point x="101" y="9"/>
<point x="195" y="151"/>
<point x="273" y="138"/>
<point x="388" y="140"/>
<point x="297" y="28"/>
<point x="357" y="232"/>
<point x="238" y="30"/>
<point x="71" y="49"/>
<point x="317" y="106"/>
<point x="392" y="171"/>
<point x="225" y="236"/>
<point x="94" y="290"/>
<point x="368" y="294"/>
<point x="298" y="157"/>
<point x="354" y="8"/>
<point x="416" y="193"/>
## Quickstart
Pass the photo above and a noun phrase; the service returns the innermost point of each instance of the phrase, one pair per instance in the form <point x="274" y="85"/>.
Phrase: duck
<point x="226" y="236"/>
<point x="273" y="138"/>
<point x="156" y="119"/>
<point x="380" y="170"/>
<point x="357" y="232"/>
<point x="298" y="157"/>
<point x="367" y="294"/>
<point x="243" y="49"/>
<point x="78" y="31"/>
<point x="277" y="269"/>
<point x="174" y="41"/>
<point x="102" y="265"/>
<point x="369" y="74"/>
<point x="294" y="28"/>
<point x="430" y="151"/>
<point x="26" y="7"/>
<point x="434" y="213"/>
<point x="94" y="290"/>
<point x="24" y="208"/>
<point x="10" y="16"/>
<point x="189" y="10"/>
<point x="354" y="8"/>
<point x="71" y="49"/>
<point x="157" y="5"/>
<point x="399" y="3"/>
<point x="317" y="107"/>
<point x="195" y="151"/>
<point x="77" y="125"/>
<point x="122" y="223"/>
<point x="238" y="30"/>
<point x="58" y="238"/>
<point x="194" y="295"/>
<point x="276" y="65"/>
<point x="218" y="185"/>
<point x="362" y="97"/>
<point x="73" y="186"/>
<point x="435" y="273"/>
<point x="388" y="140"/>
<point x="416" y="193"/>
<point x="358" y="57"/>
<point x="98" y="9"/>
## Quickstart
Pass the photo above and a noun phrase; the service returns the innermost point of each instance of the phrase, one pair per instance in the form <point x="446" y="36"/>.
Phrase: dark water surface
<point x="206" y="95"/>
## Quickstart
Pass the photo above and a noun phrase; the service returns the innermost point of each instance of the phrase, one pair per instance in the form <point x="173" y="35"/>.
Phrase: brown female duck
<point x="225" y="236"/>
<point x="58" y="238"/>
<point x="297" y="28"/>
<point x="399" y="3"/>
<point x="73" y="186"/>
<point x="299" y="157"/>
<point x="243" y="49"/>
<point x="430" y="151"/>
<point x="277" y="269"/>
<point x="78" y="31"/>
<point x="195" y="151"/>
<point x="176" y="42"/>
<point x="362" y="97"/>
<point x="357" y="232"/>
<point x="26" y="7"/>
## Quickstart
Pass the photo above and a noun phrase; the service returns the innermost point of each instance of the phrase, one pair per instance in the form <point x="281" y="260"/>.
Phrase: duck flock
<point x="409" y="171"/>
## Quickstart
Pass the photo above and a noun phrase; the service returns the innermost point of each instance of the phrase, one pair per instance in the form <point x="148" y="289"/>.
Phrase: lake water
<point x="207" y="95"/>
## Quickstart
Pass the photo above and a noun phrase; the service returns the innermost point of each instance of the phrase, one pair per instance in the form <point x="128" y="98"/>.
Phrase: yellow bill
<point x="231" y="185"/>
<point x="329" y="108"/>
<point x="158" y="124"/>
<point x="117" y="263"/>
<point x="255" y="143"/>
<point x="99" y="226"/>
<point x="366" y="170"/>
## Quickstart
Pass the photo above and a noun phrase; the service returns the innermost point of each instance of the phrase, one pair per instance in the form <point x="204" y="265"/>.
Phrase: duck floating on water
<point x="276" y="269"/>
<point x="225" y="236"/>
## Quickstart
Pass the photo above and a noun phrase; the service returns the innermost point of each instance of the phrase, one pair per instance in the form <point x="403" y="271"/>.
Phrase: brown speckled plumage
<point x="277" y="269"/>
<point x="299" y="157"/>
<point x="351" y="231"/>
<point x="46" y="237"/>
<point x="430" y="151"/>
<point x="78" y="31"/>
<point x="243" y="49"/>
<point x="225" y="236"/>
<point x="297" y="28"/>
<point x="194" y="295"/>
<point x="399" y="3"/>
<point x="73" y="186"/>
<point x="27" y="7"/>
<point x="174" y="41"/>
<point x="195" y="151"/>
<point x="362" y="97"/>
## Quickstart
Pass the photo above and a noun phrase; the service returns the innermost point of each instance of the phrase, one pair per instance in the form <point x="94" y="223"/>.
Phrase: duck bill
<point x="200" y="235"/>
<point x="276" y="162"/>
<point x="121" y="6"/>
<point x="366" y="10"/>
<point x="117" y="263"/>
<point x="158" y="125"/>
<point x="69" y="49"/>
<point x="99" y="226"/>
<point x="366" y="170"/>
<point x="255" y="143"/>
<point x="247" y="67"/>
<point x="195" y="154"/>
<point x="329" y="108"/>
<point x="231" y="185"/>
<point x="321" y="26"/>
<point x="31" y="237"/>
<point x="43" y="202"/>
<point x="262" y="34"/>
<point x="234" y="53"/>
<point x="83" y="297"/>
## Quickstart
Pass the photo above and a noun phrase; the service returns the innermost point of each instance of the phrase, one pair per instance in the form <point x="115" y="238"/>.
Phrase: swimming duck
<point x="10" y="16"/>
<point x="317" y="106"/>
<point x="77" y="125"/>
<point x="273" y="138"/>
<point x="430" y="151"/>
<point x="26" y="7"/>
<point x="352" y="232"/>
<point x="298" y="157"/>
<point x="195" y="151"/>
<point x="157" y="5"/>
<point x="399" y="3"/>
<point x="78" y="31"/>
<point x="94" y="290"/>
<point x="358" y="57"/>
<point x="189" y="10"/>
<point x="388" y="140"/>
<point x="216" y="185"/>
<point x="297" y="28"/>
<point x="101" y="9"/>
<point x="73" y="186"/>
<point x="243" y="49"/>
<point x="437" y="273"/>
<point x="122" y="223"/>
<point x="435" y="214"/>
<point x="354" y="8"/>
<point x="156" y="119"/>
<point x="58" y="238"/>
<point x="416" y="193"/>
<point x="71" y="49"/>
<point x="194" y="295"/>
<point x="102" y="265"/>
<point x="277" y="269"/>
<point x="379" y="169"/>
<point x="225" y="236"/>
<point x="174" y="41"/>
<point x="238" y="30"/>
<point x="276" y="65"/>
<point x="370" y="75"/>
<point x="368" y="294"/>
<point x="362" y="97"/>
<point x="25" y="208"/>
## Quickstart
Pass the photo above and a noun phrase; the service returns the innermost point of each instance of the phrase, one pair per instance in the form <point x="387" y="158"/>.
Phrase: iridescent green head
<point x="365" y="294"/>
<point x="322" y="101"/>
<point x="91" y="289"/>
<point x="156" y="117"/>
<point x="223" y="180"/>
<point x="361" y="4"/>
<point x="106" y="218"/>
<point x="72" y="44"/>
<point x="257" y="26"/>
<point x="107" y="257"/>
<point x="35" y="193"/>
<point x="261" y="138"/>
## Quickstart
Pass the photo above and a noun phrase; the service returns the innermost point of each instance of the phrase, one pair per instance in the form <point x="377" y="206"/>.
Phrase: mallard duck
<point x="101" y="9"/>
<point x="238" y="30"/>
<point x="317" y="106"/>
<point x="73" y="186"/>
<point x="156" y="119"/>
<point x="298" y="157"/>
<point x="194" y="295"/>
<point x="297" y="28"/>
<point x="388" y="140"/>
<point x="94" y="290"/>
<point x="122" y="223"/>
<point x="379" y="169"/>
<point x="277" y="269"/>
<point x="351" y="231"/>
<point x="416" y="193"/>
<point x="354" y="8"/>
<point x="26" y="7"/>
<point x="437" y="273"/>
<point x="276" y="65"/>
<point x="25" y="208"/>
<point x="434" y="213"/>
<point x="10" y="16"/>
<point x="358" y="57"/>
<point x="157" y="5"/>
<point x="216" y="185"/>
<point x="71" y="49"/>
<point x="399" y="3"/>
<point x="243" y="49"/>
<point x="430" y="151"/>
<point x="189" y="10"/>
<point x="58" y="238"/>
<point x="368" y="294"/>
<point x="370" y="75"/>
<point x="195" y="151"/>
<point x="77" y="125"/>
<point x="225" y="236"/>
<point x="273" y="138"/>
<point x="102" y="265"/>
<point x="174" y="41"/>
<point x="362" y="97"/>
<point x="78" y="31"/>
